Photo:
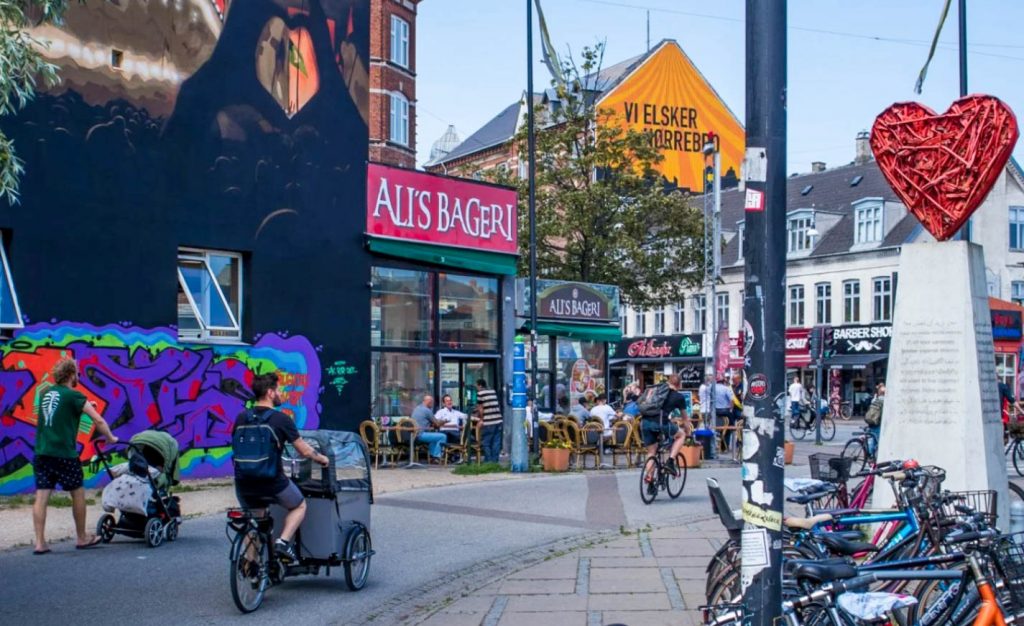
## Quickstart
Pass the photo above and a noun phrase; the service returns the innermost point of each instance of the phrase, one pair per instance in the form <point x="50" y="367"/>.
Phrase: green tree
<point x="22" y="69"/>
<point x="604" y="214"/>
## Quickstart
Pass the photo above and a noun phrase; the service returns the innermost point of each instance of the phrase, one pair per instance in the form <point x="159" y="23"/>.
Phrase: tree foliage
<point x="22" y="69"/>
<point x="604" y="214"/>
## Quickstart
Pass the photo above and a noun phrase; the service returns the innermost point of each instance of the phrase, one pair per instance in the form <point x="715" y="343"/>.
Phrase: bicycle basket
<point x="831" y="468"/>
<point x="1009" y="559"/>
<point x="981" y="502"/>
<point x="930" y="481"/>
<point x="1016" y="430"/>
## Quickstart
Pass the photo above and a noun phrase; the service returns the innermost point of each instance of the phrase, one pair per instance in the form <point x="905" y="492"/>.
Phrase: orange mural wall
<point x="668" y="98"/>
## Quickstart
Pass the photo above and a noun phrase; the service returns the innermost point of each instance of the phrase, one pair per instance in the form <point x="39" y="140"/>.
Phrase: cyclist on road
<point x="257" y="493"/>
<point x="650" y="428"/>
<point x="797" y="394"/>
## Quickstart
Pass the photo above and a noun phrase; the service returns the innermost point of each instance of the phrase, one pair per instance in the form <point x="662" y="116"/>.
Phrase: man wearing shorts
<point x="258" y="493"/>
<point x="651" y="427"/>
<point x="59" y="409"/>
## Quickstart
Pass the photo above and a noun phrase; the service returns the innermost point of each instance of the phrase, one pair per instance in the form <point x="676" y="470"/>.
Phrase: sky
<point x="848" y="60"/>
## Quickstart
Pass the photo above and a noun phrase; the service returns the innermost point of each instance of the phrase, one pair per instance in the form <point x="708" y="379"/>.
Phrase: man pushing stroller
<point x="258" y="440"/>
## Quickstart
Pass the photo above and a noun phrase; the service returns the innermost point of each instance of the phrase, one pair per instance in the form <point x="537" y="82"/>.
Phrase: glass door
<point x="459" y="376"/>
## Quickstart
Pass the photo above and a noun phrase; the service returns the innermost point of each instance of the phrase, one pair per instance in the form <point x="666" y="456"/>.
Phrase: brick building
<point x="393" y="82"/>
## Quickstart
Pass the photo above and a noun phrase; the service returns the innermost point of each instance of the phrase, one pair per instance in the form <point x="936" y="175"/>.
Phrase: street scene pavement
<point x="571" y="548"/>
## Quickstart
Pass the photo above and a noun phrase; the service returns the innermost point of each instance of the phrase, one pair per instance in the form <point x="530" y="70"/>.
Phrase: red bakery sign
<point x="424" y="208"/>
<point x="648" y="349"/>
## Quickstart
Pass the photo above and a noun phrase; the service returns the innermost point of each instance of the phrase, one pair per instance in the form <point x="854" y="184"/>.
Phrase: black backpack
<point x="652" y="399"/>
<point x="254" y="446"/>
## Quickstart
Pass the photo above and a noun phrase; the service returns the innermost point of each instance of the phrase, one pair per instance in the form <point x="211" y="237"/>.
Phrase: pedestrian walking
<point x="490" y="410"/>
<point x="59" y="412"/>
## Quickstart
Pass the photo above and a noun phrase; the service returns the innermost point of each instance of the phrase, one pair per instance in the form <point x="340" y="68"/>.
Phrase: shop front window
<point x="468" y="307"/>
<point x="399" y="382"/>
<point x="401" y="308"/>
<point x="1006" y="368"/>
<point x="581" y="369"/>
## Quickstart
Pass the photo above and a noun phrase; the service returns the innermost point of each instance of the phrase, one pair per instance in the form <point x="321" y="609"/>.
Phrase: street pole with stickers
<point x="764" y="173"/>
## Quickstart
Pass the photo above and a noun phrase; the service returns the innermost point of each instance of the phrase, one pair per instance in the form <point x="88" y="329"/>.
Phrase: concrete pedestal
<point x="942" y="401"/>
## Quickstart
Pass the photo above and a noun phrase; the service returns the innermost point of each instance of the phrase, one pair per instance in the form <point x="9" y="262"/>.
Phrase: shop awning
<point x="855" y="361"/>
<point x="588" y="332"/>
<point x="462" y="258"/>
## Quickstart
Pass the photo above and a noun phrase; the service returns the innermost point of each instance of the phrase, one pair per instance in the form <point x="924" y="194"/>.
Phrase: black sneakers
<point x="285" y="551"/>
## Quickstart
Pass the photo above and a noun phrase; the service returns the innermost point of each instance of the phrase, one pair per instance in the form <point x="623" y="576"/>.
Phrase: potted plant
<point x="692" y="452"/>
<point x="554" y="455"/>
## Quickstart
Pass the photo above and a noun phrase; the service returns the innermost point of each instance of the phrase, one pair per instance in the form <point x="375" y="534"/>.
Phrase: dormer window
<point x="739" y="238"/>
<point x="868" y="226"/>
<point x="799" y="228"/>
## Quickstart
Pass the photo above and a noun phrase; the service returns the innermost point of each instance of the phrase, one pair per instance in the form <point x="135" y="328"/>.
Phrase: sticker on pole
<point x="754" y="200"/>
<point x="754" y="551"/>
<point x="758" y="387"/>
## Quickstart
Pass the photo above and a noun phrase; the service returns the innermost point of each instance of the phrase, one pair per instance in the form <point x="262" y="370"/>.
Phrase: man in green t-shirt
<point x="59" y="410"/>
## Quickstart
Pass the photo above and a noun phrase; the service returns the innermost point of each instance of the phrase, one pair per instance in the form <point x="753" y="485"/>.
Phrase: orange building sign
<point x="668" y="99"/>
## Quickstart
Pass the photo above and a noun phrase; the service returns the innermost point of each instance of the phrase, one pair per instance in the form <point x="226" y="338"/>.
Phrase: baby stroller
<point x="140" y="491"/>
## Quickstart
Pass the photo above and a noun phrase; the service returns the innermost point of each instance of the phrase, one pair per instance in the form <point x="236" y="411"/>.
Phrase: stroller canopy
<point x="166" y="447"/>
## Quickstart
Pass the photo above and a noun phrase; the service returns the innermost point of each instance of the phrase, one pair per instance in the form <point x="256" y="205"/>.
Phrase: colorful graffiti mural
<point x="146" y="379"/>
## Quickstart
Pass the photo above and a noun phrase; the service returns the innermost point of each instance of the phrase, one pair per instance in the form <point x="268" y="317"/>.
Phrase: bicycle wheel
<point x="1015" y="493"/>
<point x="249" y="559"/>
<point x="800" y="427"/>
<point x="676" y="478"/>
<point x="1018" y="457"/>
<point x="846" y="411"/>
<point x="857" y="452"/>
<point x="357" y="551"/>
<point x="828" y="428"/>
<point x="649" y="488"/>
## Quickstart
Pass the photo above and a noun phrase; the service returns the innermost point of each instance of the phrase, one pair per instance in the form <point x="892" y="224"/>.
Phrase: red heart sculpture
<point x="943" y="166"/>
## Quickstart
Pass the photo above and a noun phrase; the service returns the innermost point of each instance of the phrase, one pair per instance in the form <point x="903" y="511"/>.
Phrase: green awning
<point x="462" y="258"/>
<point x="587" y="332"/>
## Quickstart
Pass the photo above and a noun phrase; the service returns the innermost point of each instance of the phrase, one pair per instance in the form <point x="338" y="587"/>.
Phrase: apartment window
<point x="209" y="295"/>
<point x="882" y="298"/>
<point x="721" y="309"/>
<point x="1017" y="228"/>
<point x="639" y="323"/>
<point x="399" y="119"/>
<point x="868" y="224"/>
<point x="851" y="302"/>
<point x="679" y="318"/>
<point x="399" y="41"/>
<point x="1017" y="292"/>
<point x="796" y="305"/>
<point x="659" y="321"/>
<point x="624" y="322"/>
<point x="10" y="312"/>
<point x="823" y="302"/>
<point x="699" y="313"/>
<point x="1006" y="368"/>
<point x="740" y="231"/>
<point x="799" y="230"/>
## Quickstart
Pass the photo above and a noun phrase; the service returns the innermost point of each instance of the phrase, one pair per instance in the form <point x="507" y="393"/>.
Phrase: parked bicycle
<point x="862" y="449"/>
<point x="658" y="474"/>
<point x="1014" y="449"/>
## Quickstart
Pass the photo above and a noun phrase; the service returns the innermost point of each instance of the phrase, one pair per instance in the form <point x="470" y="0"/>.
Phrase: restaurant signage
<point x="798" y="352"/>
<point x="1006" y="325"/>
<point x="424" y="208"/>
<point x="866" y="339"/>
<point x="690" y="376"/>
<point x="658" y="348"/>
<point x="564" y="300"/>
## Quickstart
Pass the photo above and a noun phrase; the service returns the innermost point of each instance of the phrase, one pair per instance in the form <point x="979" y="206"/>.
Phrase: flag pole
<point x="531" y="141"/>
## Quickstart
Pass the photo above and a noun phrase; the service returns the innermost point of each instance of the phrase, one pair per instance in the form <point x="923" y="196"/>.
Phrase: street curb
<point x="418" y="605"/>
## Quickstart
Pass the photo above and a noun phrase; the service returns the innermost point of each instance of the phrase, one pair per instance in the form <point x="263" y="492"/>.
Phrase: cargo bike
<point x="334" y="534"/>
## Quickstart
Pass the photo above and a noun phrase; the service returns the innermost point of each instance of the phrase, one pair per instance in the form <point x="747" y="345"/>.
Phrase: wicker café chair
<point x="406" y="430"/>
<point x="548" y="431"/>
<point x="580" y="448"/>
<point x="370" y="434"/>
<point x="590" y="441"/>
<point x="469" y="444"/>
<point x="622" y="434"/>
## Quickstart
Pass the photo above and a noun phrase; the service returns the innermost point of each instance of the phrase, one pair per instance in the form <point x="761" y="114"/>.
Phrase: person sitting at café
<point x="423" y="415"/>
<point x="580" y="411"/>
<point x="449" y="420"/>
<point x="605" y="413"/>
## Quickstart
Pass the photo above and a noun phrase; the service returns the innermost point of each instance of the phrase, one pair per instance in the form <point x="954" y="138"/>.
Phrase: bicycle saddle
<point x="845" y="547"/>
<point x="804" y="498"/>
<point x="818" y="572"/>
<point x="806" y="523"/>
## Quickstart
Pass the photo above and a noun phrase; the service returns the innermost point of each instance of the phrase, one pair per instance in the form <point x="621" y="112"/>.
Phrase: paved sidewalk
<point x="646" y="579"/>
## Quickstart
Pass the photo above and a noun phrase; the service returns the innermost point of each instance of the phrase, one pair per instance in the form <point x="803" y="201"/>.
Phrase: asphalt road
<point x="423" y="537"/>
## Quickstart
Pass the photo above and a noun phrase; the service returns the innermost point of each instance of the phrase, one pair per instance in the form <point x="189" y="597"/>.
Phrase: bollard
<point x="1017" y="518"/>
<point x="520" y="453"/>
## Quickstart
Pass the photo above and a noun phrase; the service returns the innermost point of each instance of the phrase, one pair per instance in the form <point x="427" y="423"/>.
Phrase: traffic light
<point x="828" y="341"/>
<point x="815" y="343"/>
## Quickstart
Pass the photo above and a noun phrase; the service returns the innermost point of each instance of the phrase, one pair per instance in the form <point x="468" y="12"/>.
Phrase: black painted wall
<point x="121" y="172"/>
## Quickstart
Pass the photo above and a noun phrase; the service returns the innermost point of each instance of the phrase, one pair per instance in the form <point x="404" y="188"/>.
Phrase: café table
<point x="412" y="445"/>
